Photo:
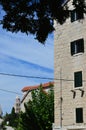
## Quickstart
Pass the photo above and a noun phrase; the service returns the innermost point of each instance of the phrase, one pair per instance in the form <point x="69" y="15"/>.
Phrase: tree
<point x="11" y="119"/>
<point x="39" y="113"/>
<point x="36" y="16"/>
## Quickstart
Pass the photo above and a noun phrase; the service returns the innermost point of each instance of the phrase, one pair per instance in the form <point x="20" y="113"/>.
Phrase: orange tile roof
<point x="29" y="88"/>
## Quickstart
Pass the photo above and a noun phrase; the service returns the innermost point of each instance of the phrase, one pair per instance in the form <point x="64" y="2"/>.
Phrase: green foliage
<point x="80" y="6"/>
<point x="11" y="119"/>
<point x="36" y="16"/>
<point x="39" y="113"/>
<point x="2" y="126"/>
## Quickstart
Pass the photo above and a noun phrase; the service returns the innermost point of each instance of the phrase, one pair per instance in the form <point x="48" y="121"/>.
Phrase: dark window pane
<point x="78" y="79"/>
<point x="72" y="48"/>
<point x="80" y="15"/>
<point x="80" y="45"/>
<point x="73" y="16"/>
<point x="77" y="46"/>
<point x="79" y="115"/>
<point x="76" y="15"/>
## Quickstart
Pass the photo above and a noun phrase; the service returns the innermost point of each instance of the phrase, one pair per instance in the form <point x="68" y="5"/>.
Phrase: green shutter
<point x="80" y="45"/>
<point x="73" y="48"/>
<point x="72" y="15"/>
<point x="79" y="115"/>
<point x="78" y="79"/>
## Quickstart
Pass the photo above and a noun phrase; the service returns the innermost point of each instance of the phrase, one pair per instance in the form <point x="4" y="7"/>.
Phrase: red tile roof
<point x="29" y="88"/>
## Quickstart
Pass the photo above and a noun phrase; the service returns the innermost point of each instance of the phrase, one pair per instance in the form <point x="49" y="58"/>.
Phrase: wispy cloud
<point x="25" y="47"/>
<point x="9" y="64"/>
<point x="21" y="54"/>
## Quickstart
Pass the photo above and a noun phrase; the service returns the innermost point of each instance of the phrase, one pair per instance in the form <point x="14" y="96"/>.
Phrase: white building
<point x="28" y="89"/>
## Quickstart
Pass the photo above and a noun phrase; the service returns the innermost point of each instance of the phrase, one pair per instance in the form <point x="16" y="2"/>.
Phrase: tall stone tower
<point x="1" y="112"/>
<point x="17" y="105"/>
<point x="70" y="72"/>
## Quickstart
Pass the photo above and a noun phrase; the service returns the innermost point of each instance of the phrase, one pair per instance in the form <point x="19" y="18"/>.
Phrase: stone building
<point x="17" y="105"/>
<point x="70" y="72"/>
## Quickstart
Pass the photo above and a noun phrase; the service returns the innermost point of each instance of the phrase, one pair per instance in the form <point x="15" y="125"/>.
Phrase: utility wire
<point x="13" y="92"/>
<point x="29" y="76"/>
<point x="10" y="91"/>
<point x="35" y="77"/>
<point x="26" y="76"/>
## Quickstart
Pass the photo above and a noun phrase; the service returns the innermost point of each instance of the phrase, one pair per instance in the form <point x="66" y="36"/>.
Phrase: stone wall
<point x="65" y="65"/>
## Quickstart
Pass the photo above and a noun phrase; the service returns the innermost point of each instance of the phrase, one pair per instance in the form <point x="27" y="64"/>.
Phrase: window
<point x="77" y="46"/>
<point x="79" y="115"/>
<point x="17" y="104"/>
<point x="76" y="15"/>
<point x="78" y="79"/>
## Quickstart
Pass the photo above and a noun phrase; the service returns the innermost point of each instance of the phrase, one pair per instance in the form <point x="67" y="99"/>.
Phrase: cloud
<point x="25" y="47"/>
<point x="14" y="65"/>
<point x="22" y="55"/>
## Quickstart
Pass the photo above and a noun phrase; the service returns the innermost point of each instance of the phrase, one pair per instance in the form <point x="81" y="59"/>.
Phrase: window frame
<point x="77" y="46"/>
<point x="79" y="115"/>
<point x="78" y="82"/>
<point x="76" y="15"/>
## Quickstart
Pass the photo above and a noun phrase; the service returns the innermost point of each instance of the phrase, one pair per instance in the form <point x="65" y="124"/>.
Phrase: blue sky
<point x="22" y="55"/>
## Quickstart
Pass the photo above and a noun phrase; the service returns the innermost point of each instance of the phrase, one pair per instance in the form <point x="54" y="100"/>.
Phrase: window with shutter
<point x="79" y="115"/>
<point x="76" y="15"/>
<point x="78" y="79"/>
<point x="77" y="46"/>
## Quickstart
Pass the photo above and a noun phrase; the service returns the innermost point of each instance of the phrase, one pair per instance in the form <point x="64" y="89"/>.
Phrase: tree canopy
<point x="10" y="119"/>
<point x="39" y="112"/>
<point x="36" y="16"/>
